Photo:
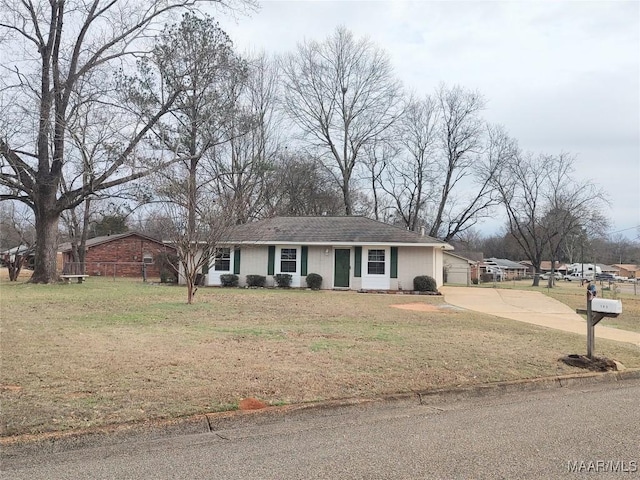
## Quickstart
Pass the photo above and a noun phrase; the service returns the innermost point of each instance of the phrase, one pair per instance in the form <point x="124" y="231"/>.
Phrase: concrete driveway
<point x="530" y="307"/>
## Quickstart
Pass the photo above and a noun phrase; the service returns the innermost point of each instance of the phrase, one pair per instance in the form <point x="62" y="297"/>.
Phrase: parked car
<point x="605" y="277"/>
<point x="556" y="275"/>
<point x="576" y="277"/>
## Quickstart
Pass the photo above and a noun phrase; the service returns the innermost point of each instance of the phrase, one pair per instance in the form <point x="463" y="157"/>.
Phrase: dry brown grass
<point x="105" y="352"/>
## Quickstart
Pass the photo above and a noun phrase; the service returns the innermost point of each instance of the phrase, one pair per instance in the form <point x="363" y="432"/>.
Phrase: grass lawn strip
<point x="107" y="352"/>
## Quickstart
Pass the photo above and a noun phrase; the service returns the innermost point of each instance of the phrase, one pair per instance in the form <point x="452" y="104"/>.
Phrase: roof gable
<point x="92" y="242"/>
<point x="507" y="264"/>
<point x="326" y="230"/>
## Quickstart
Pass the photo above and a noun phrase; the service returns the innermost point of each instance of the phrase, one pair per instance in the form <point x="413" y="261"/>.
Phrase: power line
<point x="625" y="230"/>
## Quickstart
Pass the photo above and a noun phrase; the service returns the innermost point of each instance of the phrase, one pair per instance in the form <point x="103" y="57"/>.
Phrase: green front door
<point x="341" y="270"/>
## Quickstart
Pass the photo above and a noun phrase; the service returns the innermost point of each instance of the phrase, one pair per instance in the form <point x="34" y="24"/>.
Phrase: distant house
<point x="20" y="251"/>
<point x="503" y="269"/>
<point x="612" y="269"/>
<point x="121" y="255"/>
<point x="349" y="252"/>
<point x="545" y="267"/>
<point x="628" y="270"/>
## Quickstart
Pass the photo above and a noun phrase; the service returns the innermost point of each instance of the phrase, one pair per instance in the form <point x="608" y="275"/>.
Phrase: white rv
<point x="582" y="271"/>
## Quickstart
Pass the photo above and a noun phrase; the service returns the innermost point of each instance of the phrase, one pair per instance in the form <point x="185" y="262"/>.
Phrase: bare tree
<point x="57" y="45"/>
<point x="472" y="153"/>
<point x="378" y="156"/>
<point x="241" y="166"/>
<point x="299" y="185"/>
<point x="342" y="94"/>
<point x="572" y="208"/>
<point x="195" y="248"/>
<point x="16" y="228"/>
<point x="466" y="209"/>
<point x="16" y="225"/>
<point x="545" y="204"/>
<point x="194" y="62"/>
<point x="410" y="177"/>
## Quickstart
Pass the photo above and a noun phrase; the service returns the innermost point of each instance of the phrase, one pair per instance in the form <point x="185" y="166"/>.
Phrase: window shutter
<point x="271" y="263"/>
<point x="394" y="262"/>
<point x="236" y="261"/>
<point x="358" y="262"/>
<point x="205" y="267"/>
<point x="303" y="264"/>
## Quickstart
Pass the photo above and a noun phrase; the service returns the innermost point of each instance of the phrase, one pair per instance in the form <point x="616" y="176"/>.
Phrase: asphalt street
<point x="570" y="432"/>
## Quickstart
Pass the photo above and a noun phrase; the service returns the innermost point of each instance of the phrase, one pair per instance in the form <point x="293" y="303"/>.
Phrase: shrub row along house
<point x="354" y="253"/>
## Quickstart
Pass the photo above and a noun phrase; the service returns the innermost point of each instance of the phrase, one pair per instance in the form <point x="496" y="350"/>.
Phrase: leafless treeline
<point x="121" y="105"/>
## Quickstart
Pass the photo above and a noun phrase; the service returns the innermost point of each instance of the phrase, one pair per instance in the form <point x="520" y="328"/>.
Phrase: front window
<point x="375" y="264"/>
<point x="288" y="260"/>
<point x="222" y="261"/>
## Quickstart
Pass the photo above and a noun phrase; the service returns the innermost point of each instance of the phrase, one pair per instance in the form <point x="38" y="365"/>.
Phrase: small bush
<point x="425" y="283"/>
<point x="314" y="281"/>
<point x="256" y="280"/>
<point x="228" y="280"/>
<point x="283" y="280"/>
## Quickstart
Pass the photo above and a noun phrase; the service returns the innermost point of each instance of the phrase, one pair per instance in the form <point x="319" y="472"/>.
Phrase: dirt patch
<point x="417" y="307"/>
<point x="10" y="388"/>
<point x="251" y="404"/>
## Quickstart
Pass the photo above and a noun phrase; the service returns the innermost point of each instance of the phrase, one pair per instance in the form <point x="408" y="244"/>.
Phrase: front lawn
<point x="105" y="352"/>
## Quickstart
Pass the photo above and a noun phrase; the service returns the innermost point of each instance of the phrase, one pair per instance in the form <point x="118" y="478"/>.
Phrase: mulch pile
<point x="596" y="364"/>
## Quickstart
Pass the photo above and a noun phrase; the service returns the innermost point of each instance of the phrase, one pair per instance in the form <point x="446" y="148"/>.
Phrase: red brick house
<point x="121" y="255"/>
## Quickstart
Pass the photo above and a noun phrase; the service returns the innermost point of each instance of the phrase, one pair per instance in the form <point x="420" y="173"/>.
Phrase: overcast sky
<point x="559" y="75"/>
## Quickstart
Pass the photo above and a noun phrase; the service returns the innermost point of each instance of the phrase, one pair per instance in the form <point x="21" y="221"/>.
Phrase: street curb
<point x="56" y="442"/>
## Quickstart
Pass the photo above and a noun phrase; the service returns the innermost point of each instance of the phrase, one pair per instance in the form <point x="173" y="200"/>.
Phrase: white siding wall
<point x="320" y="261"/>
<point x="181" y="278"/>
<point x="412" y="261"/>
<point x="438" y="265"/>
<point x="415" y="261"/>
<point x="253" y="261"/>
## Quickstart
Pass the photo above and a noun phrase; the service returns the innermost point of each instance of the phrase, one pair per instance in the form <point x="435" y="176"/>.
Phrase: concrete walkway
<point x="530" y="307"/>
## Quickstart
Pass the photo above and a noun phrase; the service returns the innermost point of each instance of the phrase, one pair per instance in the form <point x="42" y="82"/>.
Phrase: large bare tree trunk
<point x="46" y="250"/>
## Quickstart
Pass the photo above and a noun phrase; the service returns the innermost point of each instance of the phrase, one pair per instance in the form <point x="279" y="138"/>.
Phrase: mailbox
<point x="602" y="305"/>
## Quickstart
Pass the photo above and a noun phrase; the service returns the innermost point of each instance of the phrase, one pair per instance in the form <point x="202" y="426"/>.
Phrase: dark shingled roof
<point x="92" y="242"/>
<point x="325" y="230"/>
